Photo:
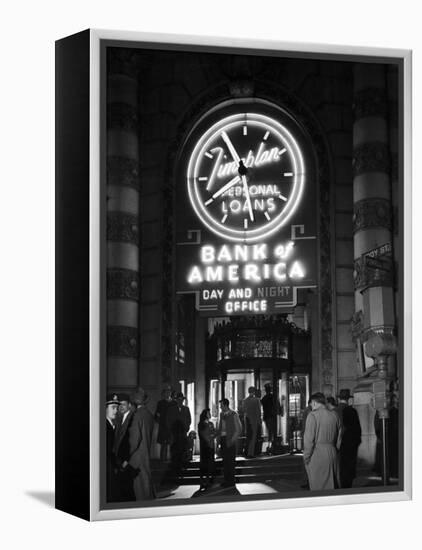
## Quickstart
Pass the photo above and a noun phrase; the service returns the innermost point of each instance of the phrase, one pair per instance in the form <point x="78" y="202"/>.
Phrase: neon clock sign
<point x="246" y="177"/>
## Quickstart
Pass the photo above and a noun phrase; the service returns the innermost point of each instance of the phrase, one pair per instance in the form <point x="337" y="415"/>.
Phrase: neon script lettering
<point x="253" y="159"/>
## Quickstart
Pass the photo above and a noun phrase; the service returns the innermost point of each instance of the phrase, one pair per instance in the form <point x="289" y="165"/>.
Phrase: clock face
<point x="246" y="177"/>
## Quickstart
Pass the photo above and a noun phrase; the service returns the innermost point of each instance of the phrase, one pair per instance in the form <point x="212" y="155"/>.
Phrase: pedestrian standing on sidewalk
<point x="229" y="430"/>
<point x="163" y="437"/>
<point x="271" y="408"/>
<point x="140" y="439"/>
<point x="350" y="440"/>
<point x="178" y="422"/>
<point x="321" y="442"/>
<point x="111" y="408"/>
<point x="207" y="434"/>
<point x="251" y="406"/>
<point x="122" y="450"/>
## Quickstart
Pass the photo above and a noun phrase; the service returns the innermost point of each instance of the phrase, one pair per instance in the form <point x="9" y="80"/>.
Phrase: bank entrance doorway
<point x="272" y="355"/>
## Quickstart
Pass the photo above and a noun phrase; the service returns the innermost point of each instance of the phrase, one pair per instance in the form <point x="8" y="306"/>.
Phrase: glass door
<point x="213" y="401"/>
<point x="298" y="400"/>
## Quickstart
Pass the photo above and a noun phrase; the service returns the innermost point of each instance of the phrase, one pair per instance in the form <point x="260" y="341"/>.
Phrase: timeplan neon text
<point x="258" y="158"/>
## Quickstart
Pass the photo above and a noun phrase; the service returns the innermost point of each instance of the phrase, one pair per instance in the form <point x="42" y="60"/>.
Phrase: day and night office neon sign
<point x="248" y="266"/>
<point x="245" y="180"/>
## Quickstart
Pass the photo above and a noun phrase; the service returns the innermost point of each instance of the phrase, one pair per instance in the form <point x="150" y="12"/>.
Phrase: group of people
<point x="129" y="432"/>
<point x="227" y="434"/>
<point x="251" y="408"/>
<point x="174" y="420"/>
<point x="230" y="429"/>
<point x="130" y="427"/>
<point x="332" y="436"/>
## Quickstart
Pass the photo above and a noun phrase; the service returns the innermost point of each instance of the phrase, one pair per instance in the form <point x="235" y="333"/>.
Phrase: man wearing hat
<point x="112" y="407"/>
<point x="351" y="439"/>
<point x="178" y="423"/>
<point x="122" y="449"/>
<point x="140" y="438"/>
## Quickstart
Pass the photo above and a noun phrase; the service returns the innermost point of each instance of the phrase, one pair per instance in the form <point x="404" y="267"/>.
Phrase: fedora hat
<point x="344" y="394"/>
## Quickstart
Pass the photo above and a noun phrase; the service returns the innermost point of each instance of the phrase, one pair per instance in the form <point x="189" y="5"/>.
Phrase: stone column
<point x="122" y="222"/>
<point x="200" y="370"/>
<point x="374" y="300"/>
<point x="393" y="115"/>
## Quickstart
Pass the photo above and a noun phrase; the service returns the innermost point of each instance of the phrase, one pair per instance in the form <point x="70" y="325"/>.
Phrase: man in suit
<point x="140" y="437"/>
<point x="229" y="430"/>
<point x="178" y="421"/>
<point x="351" y="439"/>
<point x="161" y="418"/>
<point x="252" y="408"/>
<point x="112" y="407"/>
<point x="122" y="450"/>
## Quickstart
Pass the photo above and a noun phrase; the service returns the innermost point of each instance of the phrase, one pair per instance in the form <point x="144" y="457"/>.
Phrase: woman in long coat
<point x="321" y="443"/>
<point x="207" y="435"/>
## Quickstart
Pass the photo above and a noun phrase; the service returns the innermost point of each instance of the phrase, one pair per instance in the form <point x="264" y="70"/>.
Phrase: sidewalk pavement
<point x="363" y="479"/>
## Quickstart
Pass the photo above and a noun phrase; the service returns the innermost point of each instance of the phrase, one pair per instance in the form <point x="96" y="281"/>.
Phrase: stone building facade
<point x="349" y="111"/>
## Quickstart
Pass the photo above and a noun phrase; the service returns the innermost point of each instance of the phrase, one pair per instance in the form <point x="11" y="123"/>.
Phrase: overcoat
<point x="206" y="434"/>
<point x="111" y="485"/>
<point x="233" y="426"/>
<point x="322" y="440"/>
<point x="140" y="437"/>
<point x="252" y="408"/>
<point x="178" y="420"/>
<point x="161" y="417"/>
<point x="122" y="455"/>
<point x="121" y="439"/>
<point x="351" y="439"/>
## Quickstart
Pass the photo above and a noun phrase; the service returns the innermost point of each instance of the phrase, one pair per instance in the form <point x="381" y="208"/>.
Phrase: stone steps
<point x="287" y="467"/>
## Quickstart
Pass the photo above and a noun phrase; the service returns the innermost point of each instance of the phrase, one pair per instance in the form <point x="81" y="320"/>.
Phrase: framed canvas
<point x="233" y="275"/>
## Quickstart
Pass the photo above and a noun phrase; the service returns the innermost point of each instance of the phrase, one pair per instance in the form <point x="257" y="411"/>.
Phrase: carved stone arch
<point x="303" y="114"/>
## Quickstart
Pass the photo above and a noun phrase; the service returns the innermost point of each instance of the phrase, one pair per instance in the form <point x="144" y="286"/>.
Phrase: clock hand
<point x="232" y="150"/>
<point x="223" y="189"/>
<point x="242" y="172"/>
<point x="248" y="197"/>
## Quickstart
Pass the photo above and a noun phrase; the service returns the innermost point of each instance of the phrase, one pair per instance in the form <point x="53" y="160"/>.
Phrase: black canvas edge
<point x="72" y="384"/>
